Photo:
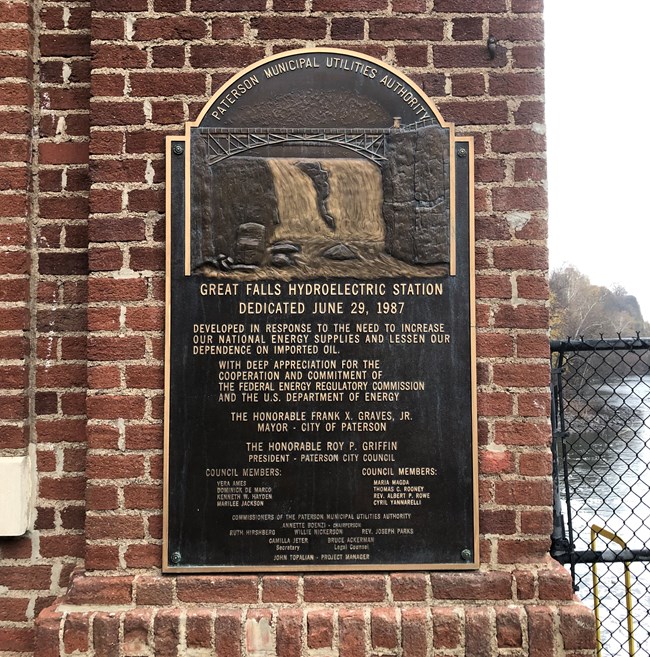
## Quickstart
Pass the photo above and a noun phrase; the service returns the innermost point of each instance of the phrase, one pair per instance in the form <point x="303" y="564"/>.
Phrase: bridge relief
<point x="310" y="212"/>
<point x="367" y="142"/>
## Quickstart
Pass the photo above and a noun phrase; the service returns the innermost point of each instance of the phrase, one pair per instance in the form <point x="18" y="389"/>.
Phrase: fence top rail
<point x="602" y="344"/>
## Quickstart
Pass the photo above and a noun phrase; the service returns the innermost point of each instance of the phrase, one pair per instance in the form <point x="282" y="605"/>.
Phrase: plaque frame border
<point x="466" y="141"/>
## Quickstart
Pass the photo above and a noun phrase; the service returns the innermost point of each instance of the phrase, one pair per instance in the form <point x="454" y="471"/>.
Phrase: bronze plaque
<point x="320" y="406"/>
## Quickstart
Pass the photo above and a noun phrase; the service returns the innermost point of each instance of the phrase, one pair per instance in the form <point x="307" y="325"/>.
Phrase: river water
<point x="609" y="482"/>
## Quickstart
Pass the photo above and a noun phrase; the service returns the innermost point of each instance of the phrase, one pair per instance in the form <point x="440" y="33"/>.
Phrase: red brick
<point x="349" y="5"/>
<point x="170" y="28"/>
<point x="414" y="632"/>
<point x="516" y="84"/>
<point x="237" y="589"/>
<point x="68" y="430"/>
<point x="279" y="588"/>
<point x="536" y="464"/>
<point x="494" y="404"/>
<point x="144" y="436"/>
<point x="117" y="289"/>
<point x="519" y="198"/>
<point x="228" y="5"/>
<point x="103" y="142"/>
<point x="114" y="526"/>
<point x="320" y="628"/>
<point x="227" y="27"/>
<point x="523" y="492"/>
<point x="227" y="632"/>
<point x="471" y="7"/>
<point x="532" y="346"/>
<point x="409" y="6"/>
<point x="117" y="466"/>
<point x="344" y="588"/>
<point x="502" y="521"/>
<point x="65" y="45"/>
<point x="536" y="522"/>
<point x="521" y="433"/>
<point x="351" y="633"/>
<point x="532" y="287"/>
<point x="167" y="84"/>
<point x="110" y="259"/>
<point x="127" y="229"/>
<point x="109" y="407"/>
<point x="555" y="584"/>
<point x="446" y="627"/>
<point x="496" y="462"/>
<point x="14" y="609"/>
<point x="68" y="488"/>
<point x="471" y="586"/>
<point x="541" y="633"/>
<point x="115" y="113"/>
<point x="120" y="171"/>
<point x="478" y="632"/>
<point x="523" y="550"/>
<point x="408" y="586"/>
<point x="528" y="56"/>
<point x="347" y="28"/>
<point x="15" y="39"/>
<point x="383" y="624"/>
<point x="534" y="405"/>
<point x="520" y="140"/>
<point x="521" y="316"/>
<point x="143" y="556"/>
<point x="168" y="56"/>
<point x="103" y="319"/>
<point x="288" y="632"/>
<point x="142" y="496"/>
<point x="520" y="257"/>
<point x="19" y="639"/>
<point x="116" y="348"/>
<point x="412" y="55"/>
<point x="577" y="627"/>
<point x="24" y="578"/>
<point x="518" y="29"/>
<point x="509" y="632"/>
<point x="151" y="590"/>
<point x="231" y="55"/>
<point x="102" y="557"/>
<point x="289" y="27"/>
<point x="467" y="29"/>
<point x="467" y="84"/>
<point x="527" y="6"/>
<point x="110" y="590"/>
<point x="525" y="585"/>
<point x="418" y="29"/>
<point x="467" y="56"/>
<point x="101" y="498"/>
<point x="137" y="624"/>
<point x="106" y="629"/>
<point x="14" y="178"/>
<point x="199" y="628"/>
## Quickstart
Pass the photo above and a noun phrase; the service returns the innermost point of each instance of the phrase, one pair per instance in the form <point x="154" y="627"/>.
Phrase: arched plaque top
<point x="318" y="88"/>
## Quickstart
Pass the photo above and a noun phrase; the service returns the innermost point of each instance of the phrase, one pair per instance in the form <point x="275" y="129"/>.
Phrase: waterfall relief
<point x="326" y="220"/>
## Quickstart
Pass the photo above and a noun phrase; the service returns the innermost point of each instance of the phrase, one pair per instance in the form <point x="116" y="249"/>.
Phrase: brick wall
<point x="82" y="315"/>
<point x="43" y="226"/>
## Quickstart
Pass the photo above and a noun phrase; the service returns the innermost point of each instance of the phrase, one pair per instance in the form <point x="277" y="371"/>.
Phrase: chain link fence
<point x="601" y="431"/>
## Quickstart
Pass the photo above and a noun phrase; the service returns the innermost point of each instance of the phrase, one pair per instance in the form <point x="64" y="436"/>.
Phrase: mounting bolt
<point x="466" y="555"/>
<point x="461" y="152"/>
<point x="176" y="556"/>
<point x="492" y="46"/>
<point x="178" y="150"/>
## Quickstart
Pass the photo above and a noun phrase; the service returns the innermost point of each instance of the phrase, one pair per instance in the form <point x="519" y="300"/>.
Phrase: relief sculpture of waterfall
<point x="318" y="215"/>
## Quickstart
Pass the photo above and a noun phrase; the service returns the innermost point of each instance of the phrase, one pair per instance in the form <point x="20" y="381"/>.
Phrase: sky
<point x="598" y="130"/>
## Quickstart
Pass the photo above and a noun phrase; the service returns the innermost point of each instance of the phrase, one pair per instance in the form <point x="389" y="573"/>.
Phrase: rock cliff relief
<point x="380" y="210"/>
